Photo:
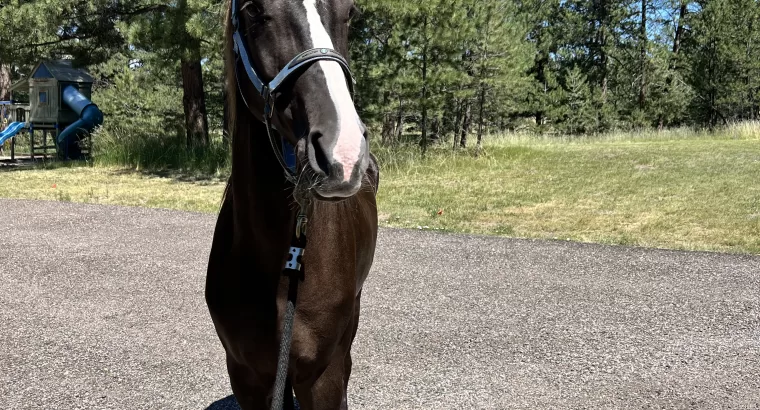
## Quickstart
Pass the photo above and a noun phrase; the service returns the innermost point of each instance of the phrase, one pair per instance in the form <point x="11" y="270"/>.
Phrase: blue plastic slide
<point x="89" y="118"/>
<point x="11" y="130"/>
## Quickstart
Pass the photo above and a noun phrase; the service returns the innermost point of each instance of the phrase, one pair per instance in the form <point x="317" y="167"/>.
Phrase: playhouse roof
<point x="61" y="70"/>
<point x="20" y="85"/>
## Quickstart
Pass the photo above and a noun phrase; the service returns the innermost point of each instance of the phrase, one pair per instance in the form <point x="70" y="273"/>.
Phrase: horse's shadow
<point x="229" y="403"/>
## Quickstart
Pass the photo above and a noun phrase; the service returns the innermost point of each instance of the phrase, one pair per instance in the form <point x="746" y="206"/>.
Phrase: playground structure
<point x="55" y="101"/>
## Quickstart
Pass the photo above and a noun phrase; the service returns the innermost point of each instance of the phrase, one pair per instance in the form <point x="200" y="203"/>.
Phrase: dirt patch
<point x="642" y="167"/>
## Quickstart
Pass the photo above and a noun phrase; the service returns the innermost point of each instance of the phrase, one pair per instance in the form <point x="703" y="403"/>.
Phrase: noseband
<point x="294" y="68"/>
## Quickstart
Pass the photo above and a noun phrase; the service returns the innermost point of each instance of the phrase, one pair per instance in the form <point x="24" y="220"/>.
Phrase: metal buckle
<point x="301" y="225"/>
<point x="268" y="102"/>
<point x="294" y="259"/>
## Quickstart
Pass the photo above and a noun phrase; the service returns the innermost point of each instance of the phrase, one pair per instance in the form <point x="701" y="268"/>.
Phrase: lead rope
<point x="294" y="270"/>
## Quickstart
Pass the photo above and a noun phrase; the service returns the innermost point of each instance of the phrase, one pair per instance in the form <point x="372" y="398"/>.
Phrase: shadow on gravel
<point x="229" y="403"/>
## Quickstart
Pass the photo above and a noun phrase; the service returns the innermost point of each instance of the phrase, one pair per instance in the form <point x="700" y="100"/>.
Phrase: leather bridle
<point x="268" y="90"/>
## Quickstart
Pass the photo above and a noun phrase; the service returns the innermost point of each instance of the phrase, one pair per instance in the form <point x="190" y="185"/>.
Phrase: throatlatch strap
<point x="289" y="155"/>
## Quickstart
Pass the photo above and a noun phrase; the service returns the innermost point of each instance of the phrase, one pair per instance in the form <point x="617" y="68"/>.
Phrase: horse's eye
<point x="252" y="9"/>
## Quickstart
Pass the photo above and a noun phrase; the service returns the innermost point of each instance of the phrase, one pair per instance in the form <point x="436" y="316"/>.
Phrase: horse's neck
<point x="263" y="203"/>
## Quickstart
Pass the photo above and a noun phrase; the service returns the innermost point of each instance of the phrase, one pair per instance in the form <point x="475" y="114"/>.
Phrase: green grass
<point x="80" y="182"/>
<point x="700" y="194"/>
<point x="679" y="190"/>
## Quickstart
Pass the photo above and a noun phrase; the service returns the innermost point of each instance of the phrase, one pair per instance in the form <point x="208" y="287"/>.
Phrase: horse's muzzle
<point x="338" y="176"/>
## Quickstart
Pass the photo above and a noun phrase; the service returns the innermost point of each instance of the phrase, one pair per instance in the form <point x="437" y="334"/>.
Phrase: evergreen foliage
<point x="428" y="71"/>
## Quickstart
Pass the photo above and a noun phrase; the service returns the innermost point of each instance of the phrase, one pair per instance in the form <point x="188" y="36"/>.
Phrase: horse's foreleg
<point x="348" y="363"/>
<point x="250" y="392"/>
<point x="328" y="390"/>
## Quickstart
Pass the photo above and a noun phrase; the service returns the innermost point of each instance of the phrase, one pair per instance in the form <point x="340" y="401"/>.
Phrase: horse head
<point x="291" y="72"/>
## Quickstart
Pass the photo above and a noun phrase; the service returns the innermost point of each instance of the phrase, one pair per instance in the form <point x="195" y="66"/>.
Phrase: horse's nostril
<point x="320" y="159"/>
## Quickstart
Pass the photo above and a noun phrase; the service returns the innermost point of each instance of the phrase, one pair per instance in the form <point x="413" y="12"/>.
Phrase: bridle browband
<point x="295" y="67"/>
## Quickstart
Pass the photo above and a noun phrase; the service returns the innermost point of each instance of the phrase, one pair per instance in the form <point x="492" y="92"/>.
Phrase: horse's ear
<point x="356" y="13"/>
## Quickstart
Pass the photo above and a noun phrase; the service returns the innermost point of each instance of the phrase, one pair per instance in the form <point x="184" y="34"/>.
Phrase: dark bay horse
<point x="286" y="72"/>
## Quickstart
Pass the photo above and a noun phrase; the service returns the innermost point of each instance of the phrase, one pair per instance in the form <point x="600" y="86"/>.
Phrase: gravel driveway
<point x="102" y="308"/>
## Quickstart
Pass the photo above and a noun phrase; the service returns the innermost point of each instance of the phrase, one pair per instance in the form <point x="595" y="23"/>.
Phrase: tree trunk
<point x="748" y="80"/>
<point x="712" y="91"/>
<point x="679" y="28"/>
<point x="465" y="125"/>
<point x="448" y="118"/>
<point x="194" y="103"/>
<point x="604" y="78"/>
<point x="673" y="63"/>
<point x="423" y="125"/>
<point x="386" y="133"/>
<point x="541" y="115"/>
<point x="481" y="105"/>
<point x="603" y="17"/>
<point x="435" y="127"/>
<point x="541" y="62"/>
<point x="643" y="55"/>
<point x="5" y="82"/>
<point x="399" y="121"/>
<point x="457" y="123"/>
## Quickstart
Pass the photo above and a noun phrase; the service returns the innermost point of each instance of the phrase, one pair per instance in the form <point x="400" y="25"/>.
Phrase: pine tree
<point x="177" y="37"/>
<point x="540" y="14"/>
<point x="501" y="58"/>
<point x="723" y="60"/>
<point x="581" y="117"/>
<point x="87" y="30"/>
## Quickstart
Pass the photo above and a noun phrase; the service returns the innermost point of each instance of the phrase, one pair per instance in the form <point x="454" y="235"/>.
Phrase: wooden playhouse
<point x="59" y="107"/>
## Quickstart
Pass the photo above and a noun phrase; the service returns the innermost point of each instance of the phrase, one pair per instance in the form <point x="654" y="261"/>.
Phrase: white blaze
<point x="349" y="139"/>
